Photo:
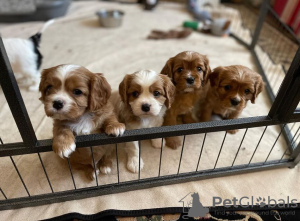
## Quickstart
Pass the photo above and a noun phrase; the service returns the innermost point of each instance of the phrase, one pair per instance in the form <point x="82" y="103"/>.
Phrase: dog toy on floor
<point x="157" y="34"/>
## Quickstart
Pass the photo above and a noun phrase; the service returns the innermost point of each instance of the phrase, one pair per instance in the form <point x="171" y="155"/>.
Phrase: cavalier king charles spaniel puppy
<point x="189" y="71"/>
<point x="78" y="102"/>
<point x="142" y="101"/>
<point x="228" y="92"/>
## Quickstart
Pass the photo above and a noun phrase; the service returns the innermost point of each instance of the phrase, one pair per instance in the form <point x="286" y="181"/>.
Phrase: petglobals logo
<point x="248" y="202"/>
<point x="193" y="207"/>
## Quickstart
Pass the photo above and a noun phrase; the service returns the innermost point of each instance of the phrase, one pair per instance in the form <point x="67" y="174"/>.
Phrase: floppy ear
<point x="258" y="86"/>
<point x="99" y="93"/>
<point x="169" y="89"/>
<point x="214" y="77"/>
<point x="123" y="88"/>
<point x="207" y="72"/>
<point x="43" y="85"/>
<point x="168" y="68"/>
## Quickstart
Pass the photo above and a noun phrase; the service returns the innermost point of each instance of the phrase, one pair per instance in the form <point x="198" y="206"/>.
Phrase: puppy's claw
<point x="65" y="151"/>
<point x="133" y="164"/>
<point x="116" y="129"/>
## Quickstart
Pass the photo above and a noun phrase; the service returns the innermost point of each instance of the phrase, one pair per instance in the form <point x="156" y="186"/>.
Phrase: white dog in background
<point x="25" y="58"/>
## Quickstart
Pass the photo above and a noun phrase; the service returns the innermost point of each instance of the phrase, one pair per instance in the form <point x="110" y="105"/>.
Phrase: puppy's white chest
<point x="85" y="125"/>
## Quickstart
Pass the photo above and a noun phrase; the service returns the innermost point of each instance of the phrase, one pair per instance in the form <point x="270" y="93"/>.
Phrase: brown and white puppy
<point x="189" y="71"/>
<point x="77" y="100"/>
<point x="228" y="92"/>
<point x="142" y="101"/>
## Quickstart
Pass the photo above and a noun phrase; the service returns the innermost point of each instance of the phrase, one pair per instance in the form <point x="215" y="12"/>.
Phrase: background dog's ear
<point x="258" y="86"/>
<point x="123" y="88"/>
<point x="214" y="77"/>
<point x="99" y="93"/>
<point x="168" y="68"/>
<point x="170" y="90"/>
<point x="207" y="72"/>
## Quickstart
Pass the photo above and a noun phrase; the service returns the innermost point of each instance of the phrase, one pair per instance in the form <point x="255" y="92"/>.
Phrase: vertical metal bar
<point x="181" y="154"/>
<point x="117" y="158"/>
<point x="258" y="144"/>
<point x="14" y="99"/>
<point x="296" y="155"/>
<point x="220" y="149"/>
<point x="239" y="147"/>
<point x="70" y="168"/>
<point x="291" y="143"/>
<point x="45" y="172"/>
<point x="12" y="160"/>
<point x="3" y="193"/>
<point x="274" y="143"/>
<point x="95" y="168"/>
<point x="139" y="177"/>
<point x="262" y="16"/>
<point x="161" y="151"/>
<point x="201" y="152"/>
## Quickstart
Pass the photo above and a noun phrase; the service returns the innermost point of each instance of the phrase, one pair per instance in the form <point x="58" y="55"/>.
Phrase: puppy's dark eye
<point x="227" y="87"/>
<point x="179" y="70"/>
<point x="247" y="91"/>
<point x="199" y="69"/>
<point x="156" y="94"/>
<point x="77" y="92"/>
<point x="135" y="94"/>
<point x="48" y="88"/>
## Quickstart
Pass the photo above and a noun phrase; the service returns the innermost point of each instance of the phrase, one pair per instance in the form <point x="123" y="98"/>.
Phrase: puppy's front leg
<point x="233" y="116"/>
<point x="63" y="141"/>
<point x="171" y="119"/>
<point x="206" y="113"/>
<point x="188" y="119"/>
<point x="113" y="127"/>
<point x="132" y="149"/>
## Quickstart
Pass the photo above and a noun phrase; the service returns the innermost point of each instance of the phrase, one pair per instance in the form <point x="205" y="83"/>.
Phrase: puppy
<point x="77" y="100"/>
<point x="142" y="101"/>
<point x="228" y="92"/>
<point x="189" y="71"/>
<point x="25" y="58"/>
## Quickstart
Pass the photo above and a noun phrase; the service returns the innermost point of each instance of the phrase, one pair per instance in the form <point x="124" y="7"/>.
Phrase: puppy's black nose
<point x="235" y="101"/>
<point x="145" y="107"/>
<point x="190" y="80"/>
<point x="58" y="104"/>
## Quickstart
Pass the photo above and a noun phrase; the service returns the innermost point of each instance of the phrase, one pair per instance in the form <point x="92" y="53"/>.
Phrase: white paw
<point x="133" y="164"/>
<point x="66" y="152"/>
<point x="93" y="175"/>
<point x="156" y="143"/>
<point x="115" y="130"/>
<point x="105" y="169"/>
<point x="118" y="131"/>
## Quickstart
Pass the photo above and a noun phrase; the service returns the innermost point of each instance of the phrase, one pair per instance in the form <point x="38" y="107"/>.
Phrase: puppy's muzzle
<point x="145" y="107"/>
<point x="58" y="104"/>
<point x="190" y="80"/>
<point x="235" y="101"/>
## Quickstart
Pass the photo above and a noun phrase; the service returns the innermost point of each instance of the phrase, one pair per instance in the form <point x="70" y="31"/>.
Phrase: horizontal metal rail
<point x="149" y="133"/>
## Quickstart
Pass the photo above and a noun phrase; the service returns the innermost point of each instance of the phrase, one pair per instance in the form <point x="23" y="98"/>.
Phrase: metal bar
<point x="95" y="166"/>
<point x="70" y="168"/>
<point x="275" y="143"/>
<point x="181" y="155"/>
<point x="220" y="150"/>
<point x="288" y="96"/>
<point x="290" y="144"/>
<point x="258" y="144"/>
<point x="261" y="18"/>
<point x="151" y="133"/>
<point x="239" y="147"/>
<point x="201" y="152"/>
<point x="14" y="99"/>
<point x="3" y="193"/>
<point x="136" y="185"/>
<point x="296" y="155"/>
<point x="117" y="158"/>
<point x="45" y="172"/>
<point x="161" y="151"/>
<point x="12" y="160"/>
<point x="139" y="177"/>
